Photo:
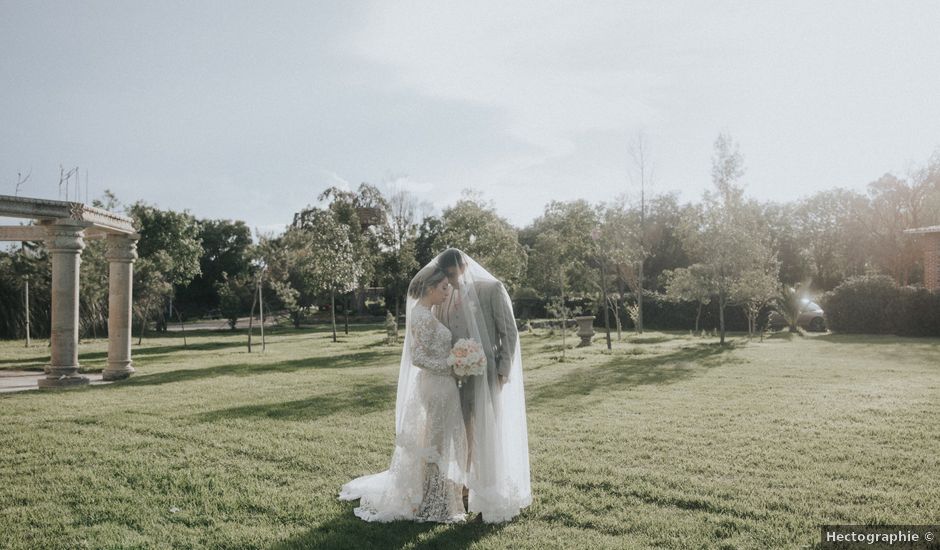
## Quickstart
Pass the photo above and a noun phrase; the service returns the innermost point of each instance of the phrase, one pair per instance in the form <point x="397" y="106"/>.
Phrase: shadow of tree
<point x="348" y="531"/>
<point x="251" y="369"/>
<point x="363" y="398"/>
<point x="630" y="371"/>
<point x="875" y="339"/>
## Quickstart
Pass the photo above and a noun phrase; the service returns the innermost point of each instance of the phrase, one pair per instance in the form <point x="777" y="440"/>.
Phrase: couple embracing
<point x="461" y="443"/>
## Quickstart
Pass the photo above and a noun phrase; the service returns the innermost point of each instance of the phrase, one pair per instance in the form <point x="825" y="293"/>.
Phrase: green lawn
<point x="668" y="441"/>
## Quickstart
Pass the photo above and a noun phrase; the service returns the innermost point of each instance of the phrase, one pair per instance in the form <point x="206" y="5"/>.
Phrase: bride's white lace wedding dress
<point x="428" y="470"/>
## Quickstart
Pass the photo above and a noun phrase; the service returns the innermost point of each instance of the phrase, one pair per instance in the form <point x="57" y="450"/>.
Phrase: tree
<point x="896" y="205"/>
<point x="755" y="290"/>
<point x="235" y="293"/>
<point x="474" y="227"/>
<point x="317" y="257"/>
<point x="429" y="240"/>
<point x="635" y="260"/>
<point x="727" y="238"/>
<point x="789" y="304"/>
<point x="399" y="263"/>
<point x="224" y="257"/>
<point x="364" y="213"/>
<point x="169" y="250"/>
<point x="562" y="239"/>
<point x="690" y="284"/>
<point x="834" y="242"/>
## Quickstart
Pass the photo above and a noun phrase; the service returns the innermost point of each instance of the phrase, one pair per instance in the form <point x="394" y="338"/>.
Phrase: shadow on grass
<point x="363" y="398"/>
<point x="649" y="339"/>
<point x="348" y="531"/>
<point x="631" y="371"/>
<point x="251" y="369"/>
<point x="876" y="339"/>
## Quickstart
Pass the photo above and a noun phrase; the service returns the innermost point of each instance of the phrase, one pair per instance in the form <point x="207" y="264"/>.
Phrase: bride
<point x="429" y="465"/>
<point x="452" y="442"/>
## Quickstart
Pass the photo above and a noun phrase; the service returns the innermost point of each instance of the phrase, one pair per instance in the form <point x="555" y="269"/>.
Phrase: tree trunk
<point x="721" y="316"/>
<point x="698" y="316"/>
<point x="346" y="316"/>
<point x="639" y="299"/>
<point x="604" y="301"/>
<point x="251" y="318"/>
<point x="27" y="312"/>
<point x="143" y="326"/>
<point x="261" y="315"/>
<point x="333" y="311"/>
<point x="397" y="308"/>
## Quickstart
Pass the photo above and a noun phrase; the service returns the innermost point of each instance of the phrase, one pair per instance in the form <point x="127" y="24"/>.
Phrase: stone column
<point x="122" y="251"/>
<point x="65" y="243"/>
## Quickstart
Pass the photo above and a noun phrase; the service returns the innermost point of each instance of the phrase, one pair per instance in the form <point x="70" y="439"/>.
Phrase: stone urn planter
<point x="585" y="329"/>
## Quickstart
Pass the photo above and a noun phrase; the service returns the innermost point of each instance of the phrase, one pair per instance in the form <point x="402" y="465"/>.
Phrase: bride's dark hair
<point x="427" y="278"/>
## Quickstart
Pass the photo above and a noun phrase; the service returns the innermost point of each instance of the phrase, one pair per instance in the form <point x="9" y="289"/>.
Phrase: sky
<point x="248" y="110"/>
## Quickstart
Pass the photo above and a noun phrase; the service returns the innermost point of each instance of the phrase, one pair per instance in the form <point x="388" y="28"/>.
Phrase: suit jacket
<point x="500" y="323"/>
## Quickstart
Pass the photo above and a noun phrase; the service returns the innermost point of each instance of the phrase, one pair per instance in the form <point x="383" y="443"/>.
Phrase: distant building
<point x="931" y="242"/>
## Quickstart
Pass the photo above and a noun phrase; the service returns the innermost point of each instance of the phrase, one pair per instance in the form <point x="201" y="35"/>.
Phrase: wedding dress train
<point x="428" y="469"/>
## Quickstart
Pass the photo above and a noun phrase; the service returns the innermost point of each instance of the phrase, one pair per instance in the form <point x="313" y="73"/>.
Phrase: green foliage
<point x="225" y="254"/>
<point x="235" y="296"/>
<point x="789" y="304"/>
<point x="169" y="250"/>
<point x="874" y="304"/>
<point x="315" y="257"/>
<point x="727" y="238"/>
<point x="475" y="228"/>
<point x="15" y="266"/>
<point x="561" y="241"/>
<point x="170" y="240"/>
<point x="429" y="239"/>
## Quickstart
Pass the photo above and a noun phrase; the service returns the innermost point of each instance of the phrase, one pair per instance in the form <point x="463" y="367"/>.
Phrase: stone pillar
<point x="932" y="261"/>
<point x="122" y="251"/>
<point x="65" y="243"/>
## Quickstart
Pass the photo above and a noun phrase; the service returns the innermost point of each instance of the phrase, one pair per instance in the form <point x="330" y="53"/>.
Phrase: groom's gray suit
<point x="500" y="328"/>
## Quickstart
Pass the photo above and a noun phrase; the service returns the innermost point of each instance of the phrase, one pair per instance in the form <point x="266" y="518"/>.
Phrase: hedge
<point x="874" y="304"/>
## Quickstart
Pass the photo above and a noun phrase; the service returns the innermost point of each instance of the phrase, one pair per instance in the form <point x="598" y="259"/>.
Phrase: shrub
<point x="917" y="312"/>
<point x="874" y="304"/>
<point x="862" y="305"/>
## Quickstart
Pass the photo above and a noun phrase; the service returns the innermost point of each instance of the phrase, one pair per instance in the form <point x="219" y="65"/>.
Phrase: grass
<point x="666" y="441"/>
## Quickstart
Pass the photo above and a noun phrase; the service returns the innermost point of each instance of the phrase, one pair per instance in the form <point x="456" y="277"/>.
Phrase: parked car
<point x="811" y="318"/>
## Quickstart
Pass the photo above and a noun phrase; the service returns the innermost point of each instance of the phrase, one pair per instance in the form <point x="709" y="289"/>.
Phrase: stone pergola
<point x="64" y="227"/>
<point x="931" y="243"/>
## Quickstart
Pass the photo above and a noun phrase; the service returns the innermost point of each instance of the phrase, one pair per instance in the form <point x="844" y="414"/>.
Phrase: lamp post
<point x="26" y="299"/>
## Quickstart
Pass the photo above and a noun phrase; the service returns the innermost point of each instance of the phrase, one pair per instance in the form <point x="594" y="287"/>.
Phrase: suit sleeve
<point x="506" y="333"/>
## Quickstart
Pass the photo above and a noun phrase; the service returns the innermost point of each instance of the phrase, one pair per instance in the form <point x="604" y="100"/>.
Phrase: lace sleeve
<point x="422" y="336"/>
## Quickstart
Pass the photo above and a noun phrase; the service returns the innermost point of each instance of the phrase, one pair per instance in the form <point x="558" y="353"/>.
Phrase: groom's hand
<point x="502" y="379"/>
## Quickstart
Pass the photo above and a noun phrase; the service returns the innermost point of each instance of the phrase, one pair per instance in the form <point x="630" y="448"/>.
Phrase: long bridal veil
<point x="498" y="476"/>
<point x="498" y="471"/>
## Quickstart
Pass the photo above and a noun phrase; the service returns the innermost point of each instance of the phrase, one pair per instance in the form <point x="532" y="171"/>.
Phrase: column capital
<point x="65" y="237"/>
<point x="121" y="248"/>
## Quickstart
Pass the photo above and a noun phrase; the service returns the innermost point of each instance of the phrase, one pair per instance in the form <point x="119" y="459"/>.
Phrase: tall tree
<point x="224" y="259"/>
<point x="474" y="227"/>
<point x="562" y="238"/>
<point x="727" y="239"/>
<point x="399" y="263"/>
<point x="169" y="250"/>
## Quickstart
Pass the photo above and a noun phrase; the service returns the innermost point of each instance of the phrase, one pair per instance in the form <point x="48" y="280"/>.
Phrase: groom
<point x="456" y="314"/>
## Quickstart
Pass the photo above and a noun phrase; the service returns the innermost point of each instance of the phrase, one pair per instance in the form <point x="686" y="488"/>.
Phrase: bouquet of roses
<point x="467" y="359"/>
